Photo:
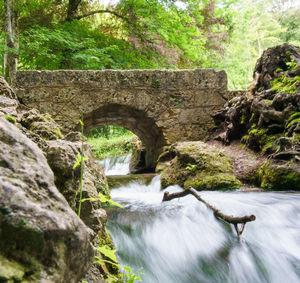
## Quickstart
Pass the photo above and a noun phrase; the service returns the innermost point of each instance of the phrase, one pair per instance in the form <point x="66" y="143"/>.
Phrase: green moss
<point x="23" y="242"/>
<point x="297" y="120"/>
<point x="10" y="270"/>
<point x="47" y="130"/>
<point x="294" y="115"/>
<point x="200" y="166"/>
<point x="243" y="119"/>
<point x="268" y="101"/>
<point x="245" y="139"/>
<point x="291" y="65"/>
<point x="10" y="119"/>
<point x="155" y="83"/>
<point x="252" y="117"/>
<point x="220" y="181"/>
<point x="285" y="84"/>
<point x="268" y="144"/>
<point x="278" y="177"/>
<point x="296" y="137"/>
<point x="259" y="140"/>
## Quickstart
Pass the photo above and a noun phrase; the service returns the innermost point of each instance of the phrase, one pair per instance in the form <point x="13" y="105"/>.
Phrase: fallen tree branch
<point x="218" y="214"/>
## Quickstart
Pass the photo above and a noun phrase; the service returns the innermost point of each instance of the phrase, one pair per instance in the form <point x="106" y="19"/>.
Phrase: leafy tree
<point x="290" y="20"/>
<point x="256" y="29"/>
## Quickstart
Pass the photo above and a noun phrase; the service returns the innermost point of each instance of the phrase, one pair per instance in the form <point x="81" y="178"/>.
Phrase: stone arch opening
<point x="137" y="122"/>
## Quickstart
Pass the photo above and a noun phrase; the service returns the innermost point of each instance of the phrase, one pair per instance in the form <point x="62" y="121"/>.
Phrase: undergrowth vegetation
<point x="110" y="140"/>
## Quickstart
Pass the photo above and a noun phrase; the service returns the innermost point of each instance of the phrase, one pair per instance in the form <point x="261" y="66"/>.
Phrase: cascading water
<point x="116" y="165"/>
<point x="181" y="241"/>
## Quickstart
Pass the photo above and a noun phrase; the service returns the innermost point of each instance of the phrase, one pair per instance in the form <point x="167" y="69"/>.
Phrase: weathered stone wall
<point x="159" y="106"/>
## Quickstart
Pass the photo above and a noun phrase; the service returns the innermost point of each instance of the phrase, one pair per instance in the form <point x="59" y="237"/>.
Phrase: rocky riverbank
<point x="266" y="119"/>
<point x="257" y="135"/>
<point x="41" y="237"/>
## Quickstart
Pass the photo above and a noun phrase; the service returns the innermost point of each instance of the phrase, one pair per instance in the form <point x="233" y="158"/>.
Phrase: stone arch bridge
<point x="159" y="106"/>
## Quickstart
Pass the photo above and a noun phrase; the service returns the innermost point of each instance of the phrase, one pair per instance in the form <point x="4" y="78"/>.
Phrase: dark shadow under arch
<point x="133" y="120"/>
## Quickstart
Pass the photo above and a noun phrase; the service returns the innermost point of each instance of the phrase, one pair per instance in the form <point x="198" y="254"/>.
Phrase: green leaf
<point x="10" y="118"/>
<point x="104" y="199"/>
<point x="78" y="161"/>
<point x="106" y="251"/>
<point x="101" y="261"/>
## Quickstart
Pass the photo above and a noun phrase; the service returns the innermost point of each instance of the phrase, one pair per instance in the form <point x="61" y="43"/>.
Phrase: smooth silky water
<point x="181" y="241"/>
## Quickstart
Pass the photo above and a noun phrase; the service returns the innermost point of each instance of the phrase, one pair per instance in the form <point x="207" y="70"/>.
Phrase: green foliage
<point x="2" y="48"/>
<point x="149" y="34"/>
<point x="109" y="253"/>
<point x="77" y="45"/>
<point x="103" y="199"/>
<point x="294" y="115"/>
<point x="108" y="131"/>
<point x="127" y="276"/>
<point x="80" y="161"/>
<point x="110" y="140"/>
<point x="255" y="28"/>
<point x="290" y="21"/>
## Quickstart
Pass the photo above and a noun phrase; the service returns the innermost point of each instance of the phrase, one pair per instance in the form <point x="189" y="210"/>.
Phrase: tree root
<point x="218" y="214"/>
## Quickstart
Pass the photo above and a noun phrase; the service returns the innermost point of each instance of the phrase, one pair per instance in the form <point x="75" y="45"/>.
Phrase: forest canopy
<point x="139" y="34"/>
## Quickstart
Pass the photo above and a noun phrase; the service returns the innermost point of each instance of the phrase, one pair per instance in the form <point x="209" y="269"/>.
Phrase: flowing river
<point x="181" y="241"/>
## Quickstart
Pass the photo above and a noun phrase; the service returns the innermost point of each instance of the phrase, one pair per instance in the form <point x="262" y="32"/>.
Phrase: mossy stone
<point x="11" y="271"/>
<point x="279" y="177"/>
<point x="220" y="181"/>
<point x="198" y="165"/>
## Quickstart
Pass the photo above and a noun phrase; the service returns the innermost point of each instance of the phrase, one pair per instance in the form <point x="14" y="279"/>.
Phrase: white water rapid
<point x="116" y="165"/>
<point x="180" y="241"/>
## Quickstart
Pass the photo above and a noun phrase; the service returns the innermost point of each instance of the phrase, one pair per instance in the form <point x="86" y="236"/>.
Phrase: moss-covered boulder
<point x="197" y="165"/>
<point x="279" y="176"/>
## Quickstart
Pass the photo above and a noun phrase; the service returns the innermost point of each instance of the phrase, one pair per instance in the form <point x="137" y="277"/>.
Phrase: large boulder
<point x="41" y="237"/>
<point x="273" y="62"/>
<point x="267" y="118"/>
<point x="197" y="165"/>
<point x="61" y="153"/>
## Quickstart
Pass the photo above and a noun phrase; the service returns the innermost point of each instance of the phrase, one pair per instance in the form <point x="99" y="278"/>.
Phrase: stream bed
<point x="181" y="241"/>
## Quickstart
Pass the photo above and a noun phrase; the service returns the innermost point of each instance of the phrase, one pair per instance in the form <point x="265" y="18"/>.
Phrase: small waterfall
<point x="116" y="165"/>
<point x="180" y="241"/>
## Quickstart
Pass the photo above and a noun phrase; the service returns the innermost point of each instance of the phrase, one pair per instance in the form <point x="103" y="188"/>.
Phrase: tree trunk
<point x="72" y="10"/>
<point x="11" y="56"/>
